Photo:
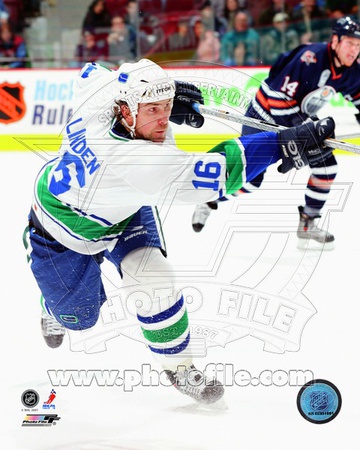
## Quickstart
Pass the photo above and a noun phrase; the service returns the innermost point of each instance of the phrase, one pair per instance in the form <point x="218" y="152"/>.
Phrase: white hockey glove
<point x="302" y="145"/>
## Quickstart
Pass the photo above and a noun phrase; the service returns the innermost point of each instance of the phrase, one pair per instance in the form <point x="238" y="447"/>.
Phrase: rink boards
<point x="36" y="104"/>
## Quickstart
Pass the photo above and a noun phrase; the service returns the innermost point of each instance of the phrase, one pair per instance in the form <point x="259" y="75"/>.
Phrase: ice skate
<point x="52" y="331"/>
<point x="308" y="230"/>
<point x="195" y="384"/>
<point x="201" y="215"/>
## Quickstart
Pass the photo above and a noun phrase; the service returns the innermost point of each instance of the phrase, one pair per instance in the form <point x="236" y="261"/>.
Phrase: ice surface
<point x="247" y="248"/>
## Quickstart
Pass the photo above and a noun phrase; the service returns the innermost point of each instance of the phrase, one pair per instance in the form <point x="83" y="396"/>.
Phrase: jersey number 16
<point x="208" y="174"/>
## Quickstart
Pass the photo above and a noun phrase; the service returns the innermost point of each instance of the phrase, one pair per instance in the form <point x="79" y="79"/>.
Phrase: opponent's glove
<point x="185" y="95"/>
<point x="301" y="146"/>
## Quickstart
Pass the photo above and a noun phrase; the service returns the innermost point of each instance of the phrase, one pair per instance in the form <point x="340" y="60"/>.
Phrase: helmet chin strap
<point x="131" y="128"/>
<point x="336" y="57"/>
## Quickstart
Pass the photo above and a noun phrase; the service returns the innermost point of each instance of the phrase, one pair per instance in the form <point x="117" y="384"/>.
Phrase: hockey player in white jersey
<point x="98" y="199"/>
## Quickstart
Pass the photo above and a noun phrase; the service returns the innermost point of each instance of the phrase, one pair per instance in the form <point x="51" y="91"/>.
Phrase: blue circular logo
<point x="319" y="401"/>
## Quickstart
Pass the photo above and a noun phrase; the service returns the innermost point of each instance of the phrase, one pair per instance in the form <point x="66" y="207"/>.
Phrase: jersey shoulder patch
<point x="308" y="57"/>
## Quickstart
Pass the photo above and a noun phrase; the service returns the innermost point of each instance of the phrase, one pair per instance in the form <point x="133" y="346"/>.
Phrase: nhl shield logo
<point x="12" y="104"/>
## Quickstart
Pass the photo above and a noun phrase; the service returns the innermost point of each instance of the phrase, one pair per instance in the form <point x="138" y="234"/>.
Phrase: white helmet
<point x="143" y="82"/>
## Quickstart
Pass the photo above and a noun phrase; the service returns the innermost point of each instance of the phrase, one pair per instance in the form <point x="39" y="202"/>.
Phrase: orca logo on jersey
<point x="123" y="77"/>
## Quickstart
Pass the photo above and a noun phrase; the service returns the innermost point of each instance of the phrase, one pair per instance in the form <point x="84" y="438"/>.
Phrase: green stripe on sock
<point x="169" y="333"/>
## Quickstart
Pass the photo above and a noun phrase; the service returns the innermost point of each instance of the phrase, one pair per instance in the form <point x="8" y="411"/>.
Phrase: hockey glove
<point x="183" y="112"/>
<point x="301" y="146"/>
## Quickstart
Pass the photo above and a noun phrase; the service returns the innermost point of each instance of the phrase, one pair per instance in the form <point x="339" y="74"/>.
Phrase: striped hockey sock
<point x="167" y="333"/>
<point x="318" y="187"/>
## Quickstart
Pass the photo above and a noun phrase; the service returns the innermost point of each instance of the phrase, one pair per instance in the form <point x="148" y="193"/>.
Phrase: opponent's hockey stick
<point x="265" y="126"/>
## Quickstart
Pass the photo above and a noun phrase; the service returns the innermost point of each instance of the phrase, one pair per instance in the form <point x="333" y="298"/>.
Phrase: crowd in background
<point x="13" y="50"/>
<point x="230" y="32"/>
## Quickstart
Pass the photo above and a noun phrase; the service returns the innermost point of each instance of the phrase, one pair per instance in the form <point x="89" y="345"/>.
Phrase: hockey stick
<point x="265" y="126"/>
<point x="348" y="136"/>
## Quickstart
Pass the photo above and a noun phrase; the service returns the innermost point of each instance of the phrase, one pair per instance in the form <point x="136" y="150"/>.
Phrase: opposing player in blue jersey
<point x="298" y="85"/>
<point x="98" y="200"/>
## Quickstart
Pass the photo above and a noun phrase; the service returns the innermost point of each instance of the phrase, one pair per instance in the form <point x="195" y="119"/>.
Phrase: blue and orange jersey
<point x="302" y="81"/>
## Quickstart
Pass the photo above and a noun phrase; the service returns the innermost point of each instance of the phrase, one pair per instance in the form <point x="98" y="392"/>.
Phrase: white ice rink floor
<point x="264" y="306"/>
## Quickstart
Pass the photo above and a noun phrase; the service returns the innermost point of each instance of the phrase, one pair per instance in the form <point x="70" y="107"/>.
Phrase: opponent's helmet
<point x="143" y="82"/>
<point x="345" y="26"/>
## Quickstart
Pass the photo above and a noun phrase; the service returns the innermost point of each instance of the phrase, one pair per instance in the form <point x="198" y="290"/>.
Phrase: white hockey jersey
<point x="85" y="197"/>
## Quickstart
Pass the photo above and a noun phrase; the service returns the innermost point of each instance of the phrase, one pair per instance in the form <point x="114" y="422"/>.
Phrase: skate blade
<point x="311" y="244"/>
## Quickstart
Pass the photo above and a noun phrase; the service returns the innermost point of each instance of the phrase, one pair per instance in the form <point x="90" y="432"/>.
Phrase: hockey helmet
<point x="143" y="82"/>
<point x="345" y="26"/>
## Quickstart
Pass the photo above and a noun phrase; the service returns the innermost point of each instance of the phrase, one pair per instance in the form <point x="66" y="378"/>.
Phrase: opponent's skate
<point x="308" y="230"/>
<point x="201" y="215"/>
<point x="52" y="331"/>
<point x="195" y="384"/>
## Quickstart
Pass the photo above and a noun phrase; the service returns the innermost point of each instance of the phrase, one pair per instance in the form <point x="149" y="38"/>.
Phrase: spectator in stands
<point x="336" y="9"/>
<point x="132" y="14"/>
<point x="183" y="38"/>
<point x="13" y="51"/>
<point x="281" y="37"/>
<point x="121" y="41"/>
<point x="239" y="54"/>
<point x="91" y="49"/>
<point x="307" y="9"/>
<point x="197" y="27"/>
<point x="4" y="13"/>
<point x="134" y="19"/>
<point x="211" y="21"/>
<point x="218" y="6"/>
<point x="242" y="34"/>
<point x="97" y="19"/>
<point x="208" y="44"/>
<point x="15" y="13"/>
<point x="311" y="22"/>
<point x="231" y="7"/>
<point x="267" y="15"/>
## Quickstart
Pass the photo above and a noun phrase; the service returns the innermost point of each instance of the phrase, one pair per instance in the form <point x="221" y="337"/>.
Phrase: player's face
<point x="347" y="50"/>
<point x="152" y="120"/>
